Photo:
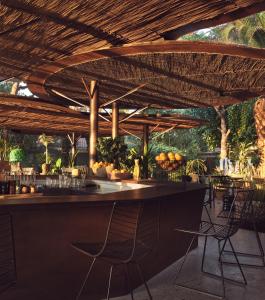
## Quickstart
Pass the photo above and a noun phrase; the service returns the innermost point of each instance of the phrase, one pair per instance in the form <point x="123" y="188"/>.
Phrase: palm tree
<point x="248" y="31"/>
<point x="45" y="140"/>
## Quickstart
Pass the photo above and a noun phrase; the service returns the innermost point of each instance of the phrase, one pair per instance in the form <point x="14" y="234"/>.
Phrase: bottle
<point x="136" y="170"/>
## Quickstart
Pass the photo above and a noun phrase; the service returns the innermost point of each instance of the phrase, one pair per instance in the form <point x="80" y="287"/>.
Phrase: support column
<point x="94" y="92"/>
<point x="145" y="148"/>
<point x="115" y="120"/>
<point x="146" y="137"/>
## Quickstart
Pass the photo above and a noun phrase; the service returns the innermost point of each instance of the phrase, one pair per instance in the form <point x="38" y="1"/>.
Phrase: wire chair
<point x="133" y="232"/>
<point x="8" y="275"/>
<point x="252" y="216"/>
<point x="222" y="233"/>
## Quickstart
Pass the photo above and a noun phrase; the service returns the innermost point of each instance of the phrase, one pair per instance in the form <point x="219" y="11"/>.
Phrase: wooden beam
<point x="133" y="113"/>
<point x="165" y="131"/>
<point x="128" y="93"/>
<point x="93" y="122"/>
<point x="115" y="120"/>
<point x="127" y="131"/>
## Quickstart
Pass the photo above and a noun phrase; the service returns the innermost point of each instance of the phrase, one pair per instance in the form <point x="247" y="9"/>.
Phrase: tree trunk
<point x="14" y="88"/>
<point x="221" y="111"/>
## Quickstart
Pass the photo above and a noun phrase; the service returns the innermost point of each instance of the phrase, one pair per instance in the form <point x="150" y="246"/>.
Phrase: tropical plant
<point x="196" y="166"/>
<point x="17" y="155"/>
<point x="72" y="158"/>
<point x="57" y="166"/>
<point x="45" y="140"/>
<point x="112" y="150"/>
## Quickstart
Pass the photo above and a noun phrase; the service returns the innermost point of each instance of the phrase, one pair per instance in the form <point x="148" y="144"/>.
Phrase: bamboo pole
<point x="115" y="120"/>
<point x="94" y="92"/>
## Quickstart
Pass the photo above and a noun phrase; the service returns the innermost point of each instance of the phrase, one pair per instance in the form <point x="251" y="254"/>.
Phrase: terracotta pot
<point x="45" y="168"/>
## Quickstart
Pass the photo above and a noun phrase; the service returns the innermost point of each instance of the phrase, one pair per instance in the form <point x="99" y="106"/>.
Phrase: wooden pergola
<point x="36" y="116"/>
<point x="116" y="56"/>
<point x="36" y="32"/>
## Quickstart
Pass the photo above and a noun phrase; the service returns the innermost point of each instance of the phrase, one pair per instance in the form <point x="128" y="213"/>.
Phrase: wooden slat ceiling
<point x="33" y="32"/>
<point x="175" y="74"/>
<point x="36" y="116"/>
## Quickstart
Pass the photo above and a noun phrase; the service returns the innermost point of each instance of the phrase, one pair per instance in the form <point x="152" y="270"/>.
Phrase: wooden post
<point x="146" y="137"/>
<point x="93" y="122"/>
<point x="115" y="120"/>
<point x="145" y="148"/>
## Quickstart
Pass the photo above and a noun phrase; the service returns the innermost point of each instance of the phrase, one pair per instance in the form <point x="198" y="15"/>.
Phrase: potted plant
<point x="195" y="168"/>
<point x="16" y="156"/>
<point x="45" y="140"/>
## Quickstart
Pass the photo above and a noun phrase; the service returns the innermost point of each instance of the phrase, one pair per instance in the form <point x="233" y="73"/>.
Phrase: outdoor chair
<point x="222" y="233"/>
<point x="8" y="275"/>
<point x="252" y="217"/>
<point x="133" y="233"/>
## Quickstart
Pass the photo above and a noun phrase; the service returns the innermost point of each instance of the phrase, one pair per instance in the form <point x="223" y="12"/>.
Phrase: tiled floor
<point x="163" y="285"/>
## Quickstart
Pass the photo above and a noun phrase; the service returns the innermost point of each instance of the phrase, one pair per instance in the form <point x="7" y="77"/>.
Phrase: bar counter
<point x="44" y="227"/>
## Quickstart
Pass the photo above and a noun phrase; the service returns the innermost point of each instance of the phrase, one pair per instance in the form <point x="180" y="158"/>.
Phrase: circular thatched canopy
<point x="36" y="116"/>
<point x="37" y="31"/>
<point x="165" y="74"/>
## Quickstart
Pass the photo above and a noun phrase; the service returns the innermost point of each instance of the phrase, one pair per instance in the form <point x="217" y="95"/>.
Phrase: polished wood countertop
<point x="155" y="190"/>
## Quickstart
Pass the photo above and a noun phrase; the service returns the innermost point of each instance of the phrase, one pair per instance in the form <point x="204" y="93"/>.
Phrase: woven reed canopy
<point x="36" y="116"/>
<point x="37" y="31"/>
<point x="164" y="74"/>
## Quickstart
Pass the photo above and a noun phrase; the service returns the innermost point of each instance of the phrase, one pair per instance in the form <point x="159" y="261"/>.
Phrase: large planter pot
<point x="45" y="168"/>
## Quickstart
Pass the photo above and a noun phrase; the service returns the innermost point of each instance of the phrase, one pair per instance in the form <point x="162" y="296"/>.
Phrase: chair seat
<point x="218" y="231"/>
<point x="118" y="251"/>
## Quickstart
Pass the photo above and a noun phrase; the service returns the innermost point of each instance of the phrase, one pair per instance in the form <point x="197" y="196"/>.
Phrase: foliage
<point x="6" y="145"/>
<point x="45" y="140"/>
<point x="57" y="166"/>
<point x="72" y="158"/>
<point x="112" y="150"/>
<point x="196" y="166"/>
<point x="17" y="155"/>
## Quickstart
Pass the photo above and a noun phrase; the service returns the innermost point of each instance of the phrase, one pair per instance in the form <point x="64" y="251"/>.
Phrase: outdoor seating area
<point x="132" y="150"/>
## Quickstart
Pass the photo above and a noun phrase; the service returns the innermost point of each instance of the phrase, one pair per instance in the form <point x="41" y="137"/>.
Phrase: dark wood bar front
<point x="48" y="267"/>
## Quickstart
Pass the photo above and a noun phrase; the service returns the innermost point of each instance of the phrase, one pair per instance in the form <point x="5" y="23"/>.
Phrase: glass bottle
<point x="136" y="171"/>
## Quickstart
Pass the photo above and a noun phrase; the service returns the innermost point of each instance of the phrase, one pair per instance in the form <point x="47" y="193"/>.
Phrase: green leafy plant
<point x="16" y="155"/>
<point x="112" y="151"/>
<point x="57" y="166"/>
<point x="196" y="166"/>
<point x="45" y="140"/>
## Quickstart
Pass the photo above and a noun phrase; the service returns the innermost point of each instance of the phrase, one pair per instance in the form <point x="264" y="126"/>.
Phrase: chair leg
<point x="128" y="280"/>
<point x="240" y="268"/>
<point x="143" y="280"/>
<point x="85" y="280"/>
<point x="185" y="257"/>
<point x="110" y="276"/>
<point x="204" y="252"/>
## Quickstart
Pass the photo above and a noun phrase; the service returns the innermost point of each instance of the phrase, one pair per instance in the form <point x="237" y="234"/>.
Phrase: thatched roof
<point x="167" y="74"/>
<point x="37" y="31"/>
<point x="36" y="116"/>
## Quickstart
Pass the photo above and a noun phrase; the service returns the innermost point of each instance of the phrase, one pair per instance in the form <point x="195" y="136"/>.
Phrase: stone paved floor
<point x="163" y="285"/>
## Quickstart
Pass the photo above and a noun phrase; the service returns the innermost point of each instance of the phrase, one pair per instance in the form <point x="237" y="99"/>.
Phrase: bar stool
<point x="222" y="233"/>
<point x="8" y="274"/>
<point x="132" y="234"/>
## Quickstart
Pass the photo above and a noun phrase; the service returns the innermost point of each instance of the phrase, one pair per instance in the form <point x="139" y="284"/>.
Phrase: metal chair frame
<point x="131" y="259"/>
<point x="251" y="217"/>
<point x="222" y="233"/>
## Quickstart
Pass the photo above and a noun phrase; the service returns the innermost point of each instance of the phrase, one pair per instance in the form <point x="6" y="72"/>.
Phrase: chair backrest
<point x="133" y="228"/>
<point x="148" y="229"/>
<point x="7" y="253"/>
<point x="240" y="209"/>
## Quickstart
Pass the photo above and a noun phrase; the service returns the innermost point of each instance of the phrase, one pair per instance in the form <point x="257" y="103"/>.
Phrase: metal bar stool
<point x="131" y="235"/>
<point x="222" y="233"/>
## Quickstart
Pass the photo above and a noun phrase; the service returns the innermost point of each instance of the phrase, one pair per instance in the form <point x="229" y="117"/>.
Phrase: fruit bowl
<point x="170" y="161"/>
